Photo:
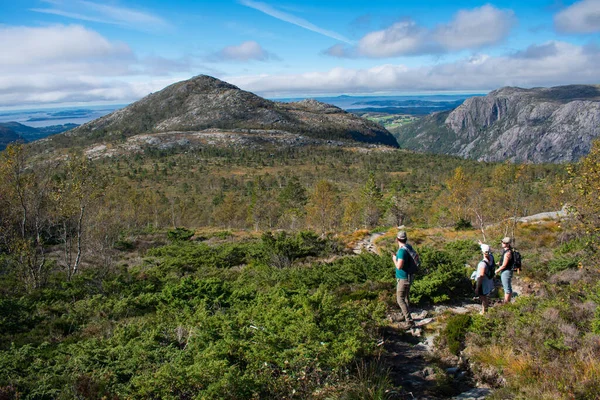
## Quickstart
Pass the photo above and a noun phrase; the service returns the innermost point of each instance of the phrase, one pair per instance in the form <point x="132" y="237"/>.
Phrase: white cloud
<point x="37" y="47"/>
<point x="565" y="64"/>
<point x="246" y="51"/>
<point x="104" y="13"/>
<point x="404" y="37"/>
<point x="52" y="89"/>
<point x="469" y="29"/>
<point x="581" y="17"/>
<point x="472" y="29"/>
<point x="292" y="19"/>
<point x="75" y="64"/>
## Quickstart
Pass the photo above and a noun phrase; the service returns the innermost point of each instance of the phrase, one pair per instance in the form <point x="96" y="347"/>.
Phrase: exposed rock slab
<point x="536" y="125"/>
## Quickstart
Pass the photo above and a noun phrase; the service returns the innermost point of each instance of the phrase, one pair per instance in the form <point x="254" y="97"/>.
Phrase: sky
<point x="89" y="52"/>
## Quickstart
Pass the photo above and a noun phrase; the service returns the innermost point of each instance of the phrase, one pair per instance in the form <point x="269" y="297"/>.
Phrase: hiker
<point x="492" y="260"/>
<point x="485" y="277"/>
<point x="506" y="268"/>
<point x="405" y="268"/>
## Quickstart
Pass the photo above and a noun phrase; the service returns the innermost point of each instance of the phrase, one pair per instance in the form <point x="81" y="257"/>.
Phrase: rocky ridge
<point x="248" y="139"/>
<point x="204" y="103"/>
<point x="536" y="125"/>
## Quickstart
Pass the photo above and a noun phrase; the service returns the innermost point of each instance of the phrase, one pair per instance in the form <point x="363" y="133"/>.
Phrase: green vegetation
<point x="390" y="122"/>
<point x="188" y="321"/>
<point x="228" y="273"/>
<point x="454" y="332"/>
<point x="543" y="345"/>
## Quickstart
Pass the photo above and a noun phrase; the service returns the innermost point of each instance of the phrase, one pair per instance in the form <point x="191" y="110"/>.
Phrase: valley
<point x="154" y="255"/>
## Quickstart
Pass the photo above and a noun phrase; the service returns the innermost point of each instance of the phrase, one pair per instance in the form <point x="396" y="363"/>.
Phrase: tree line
<point x="72" y="211"/>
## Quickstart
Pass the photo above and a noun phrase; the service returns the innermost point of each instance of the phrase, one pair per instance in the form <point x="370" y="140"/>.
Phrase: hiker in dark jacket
<point x="401" y="260"/>
<point x="506" y="269"/>
<point x="484" y="284"/>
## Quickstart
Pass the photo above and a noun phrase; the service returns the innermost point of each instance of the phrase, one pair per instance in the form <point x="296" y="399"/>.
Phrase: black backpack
<point x="414" y="261"/>
<point x="516" y="259"/>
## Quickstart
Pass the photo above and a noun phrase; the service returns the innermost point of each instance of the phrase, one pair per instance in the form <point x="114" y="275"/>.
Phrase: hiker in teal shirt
<point x="401" y="261"/>
<point x="403" y="255"/>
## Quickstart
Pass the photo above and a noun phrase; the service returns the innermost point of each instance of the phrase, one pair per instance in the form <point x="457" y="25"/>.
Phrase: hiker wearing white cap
<point x="485" y="277"/>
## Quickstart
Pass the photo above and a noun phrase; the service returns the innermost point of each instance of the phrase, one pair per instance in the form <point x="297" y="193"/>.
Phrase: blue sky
<point x="65" y="52"/>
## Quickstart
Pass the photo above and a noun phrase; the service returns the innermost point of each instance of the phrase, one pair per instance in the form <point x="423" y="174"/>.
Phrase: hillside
<point x="14" y="131"/>
<point x="536" y="125"/>
<point x="206" y="103"/>
<point x="198" y="277"/>
<point x="7" y="136"/>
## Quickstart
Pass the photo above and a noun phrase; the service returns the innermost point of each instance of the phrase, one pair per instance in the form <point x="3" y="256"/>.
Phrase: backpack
<point x="414" y="261"/>
<point x="516" y="259"/>
<point x="490" y="269"/>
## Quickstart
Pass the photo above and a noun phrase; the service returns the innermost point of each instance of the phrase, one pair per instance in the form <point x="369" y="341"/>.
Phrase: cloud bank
<point x="469" y="29"/>
<point x="70" y="63"/>
<point x="66" y="64"/>
<point x="580" y="17"/>
<point x="550" y="64"/>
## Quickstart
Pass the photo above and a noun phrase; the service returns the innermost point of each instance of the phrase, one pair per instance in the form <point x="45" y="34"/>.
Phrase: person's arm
<point x="479" y="280"/>
<point x="505" y="262"/>
<point x="480" y="270"/>
<point x="398" y="262"/>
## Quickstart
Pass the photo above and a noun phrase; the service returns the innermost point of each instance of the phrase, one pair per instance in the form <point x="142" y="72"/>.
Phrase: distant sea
<point x="57" y="116"/>
<point x="355" y="102"/>
<point x="41" y="117"/>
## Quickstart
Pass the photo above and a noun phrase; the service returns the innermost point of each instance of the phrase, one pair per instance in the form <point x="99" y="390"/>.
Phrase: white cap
<point x="485" y="248"/>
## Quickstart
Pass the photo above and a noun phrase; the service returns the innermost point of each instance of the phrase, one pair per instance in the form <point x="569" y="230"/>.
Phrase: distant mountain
<point x="206" y="103"/>
<point x="14" y="131"/>
<point x="8" y="136"/>
<point x="536" y="125"/>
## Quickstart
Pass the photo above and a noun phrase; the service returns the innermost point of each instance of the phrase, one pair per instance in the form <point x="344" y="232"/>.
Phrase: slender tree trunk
<point x="79" y="239"/>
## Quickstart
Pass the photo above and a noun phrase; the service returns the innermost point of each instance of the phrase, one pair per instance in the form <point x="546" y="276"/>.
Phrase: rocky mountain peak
<point x="204" y="102"/>
<point x="538" y="125"/>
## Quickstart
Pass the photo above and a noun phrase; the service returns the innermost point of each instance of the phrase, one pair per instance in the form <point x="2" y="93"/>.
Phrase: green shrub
<point x="123" y="245"/>
<point x="223" y="234"/>
<point x="179" y="234"/>
<point x="442" y="274"/>
<point x="463" y="225"/>
<point x="572" y="246"/>
<point x="455" y="330"/>
<point x="562" y="263"/>
<point x="461" y="251"/>
<point x="282" y="249"/>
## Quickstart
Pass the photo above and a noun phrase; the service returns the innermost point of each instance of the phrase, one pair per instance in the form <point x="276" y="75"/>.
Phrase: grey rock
<point x="536" y="125"/>
<point x="424" y="321"/>
<point x="204" y="102"/>
<point x="474" y="394"/>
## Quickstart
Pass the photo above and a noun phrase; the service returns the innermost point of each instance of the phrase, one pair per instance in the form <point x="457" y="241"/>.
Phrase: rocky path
<point x="409" y="353"/>
<point x="367" y="244"/>
<point x="409" y="358"/>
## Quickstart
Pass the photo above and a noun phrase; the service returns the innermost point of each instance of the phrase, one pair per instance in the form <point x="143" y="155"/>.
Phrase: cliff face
<point x="524" y="125"/>
<point x="205" y="102"/>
